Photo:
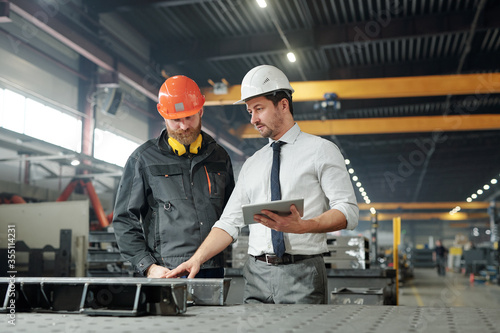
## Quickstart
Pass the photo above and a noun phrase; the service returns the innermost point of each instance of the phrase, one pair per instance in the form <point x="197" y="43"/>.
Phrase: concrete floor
<point x="453" y="290"/>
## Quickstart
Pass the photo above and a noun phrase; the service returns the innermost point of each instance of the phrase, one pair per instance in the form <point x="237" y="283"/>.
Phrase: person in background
<point x="285" y="262"/>
<point x="173" y="188"/>
<point x="439" y="257"/>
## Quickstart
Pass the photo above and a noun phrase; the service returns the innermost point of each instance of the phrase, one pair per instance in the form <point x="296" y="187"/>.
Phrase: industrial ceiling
<point x="417" y="86"/>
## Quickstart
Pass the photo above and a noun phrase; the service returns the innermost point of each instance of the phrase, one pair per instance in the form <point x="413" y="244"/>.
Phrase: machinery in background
<point x="46" y="242"/>
<point x="103" y="256"/>
<point x="90" y="251"/>
<point x="86" y="184"/>
<point x="422" y="258"/>
<point x="405" y="262"/>
<point x="44" y="261"/>
<point x="351" y="252"/>
<point x="351" y="279"/>
<point x="481" y="263"/>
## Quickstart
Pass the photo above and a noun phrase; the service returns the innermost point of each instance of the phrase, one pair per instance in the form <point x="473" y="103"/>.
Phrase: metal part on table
<point x="96" y="296"/>
<point x="208" y="291"/>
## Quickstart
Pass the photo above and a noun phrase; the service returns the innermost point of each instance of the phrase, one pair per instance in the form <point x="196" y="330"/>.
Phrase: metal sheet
<point x="96" y="296"/>
<point x="208" y="291"/>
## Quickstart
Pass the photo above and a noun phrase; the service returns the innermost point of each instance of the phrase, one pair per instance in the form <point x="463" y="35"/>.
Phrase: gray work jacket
<point x="167" y="204"/>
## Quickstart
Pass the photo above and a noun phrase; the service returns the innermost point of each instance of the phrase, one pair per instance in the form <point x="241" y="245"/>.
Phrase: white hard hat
<point x="262" y="80"/>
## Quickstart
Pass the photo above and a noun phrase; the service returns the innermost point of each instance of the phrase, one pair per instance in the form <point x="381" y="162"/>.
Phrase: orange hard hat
<point x="179" y="97"/>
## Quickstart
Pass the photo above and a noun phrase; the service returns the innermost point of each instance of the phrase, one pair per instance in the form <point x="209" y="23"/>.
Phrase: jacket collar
<point x="163" y="146"/>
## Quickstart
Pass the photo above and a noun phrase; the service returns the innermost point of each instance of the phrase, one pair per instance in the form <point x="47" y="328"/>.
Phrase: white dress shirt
<point x="311" y="168"/>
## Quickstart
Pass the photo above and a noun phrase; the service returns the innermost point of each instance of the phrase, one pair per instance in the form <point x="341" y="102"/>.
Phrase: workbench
<point x="272" y="318"/>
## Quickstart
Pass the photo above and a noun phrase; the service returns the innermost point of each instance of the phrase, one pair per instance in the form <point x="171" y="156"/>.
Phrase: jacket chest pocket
<point x="168" y="182"/>
<point x="216" y="178"/>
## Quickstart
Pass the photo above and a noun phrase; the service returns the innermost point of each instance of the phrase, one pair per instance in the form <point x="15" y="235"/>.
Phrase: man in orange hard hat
<point x="173" y="189"/>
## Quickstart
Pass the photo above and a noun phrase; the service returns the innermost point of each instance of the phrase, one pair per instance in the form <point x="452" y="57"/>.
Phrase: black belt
<point x="271" y="259"/>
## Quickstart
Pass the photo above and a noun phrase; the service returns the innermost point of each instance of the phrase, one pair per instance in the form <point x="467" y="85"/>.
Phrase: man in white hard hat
<point x="311" y="168"/>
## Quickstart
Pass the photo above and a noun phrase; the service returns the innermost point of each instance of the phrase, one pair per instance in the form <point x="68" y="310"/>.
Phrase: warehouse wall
<point x="47" y="72"/>
<point x="53" y="80"/>
<point x="28" y="72"/>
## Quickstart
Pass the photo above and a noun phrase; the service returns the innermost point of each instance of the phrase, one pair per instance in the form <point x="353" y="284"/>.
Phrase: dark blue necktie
<point x="276" y="236"/>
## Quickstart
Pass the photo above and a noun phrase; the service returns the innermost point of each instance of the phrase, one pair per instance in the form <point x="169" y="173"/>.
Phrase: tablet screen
<point x="281" y="207"/>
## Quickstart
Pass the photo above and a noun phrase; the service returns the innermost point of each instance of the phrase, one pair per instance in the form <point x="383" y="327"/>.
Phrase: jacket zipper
<point x="208" y="180"/>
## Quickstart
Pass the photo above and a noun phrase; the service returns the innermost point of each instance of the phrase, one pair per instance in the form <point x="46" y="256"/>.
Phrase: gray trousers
<point x="303" y="282"/>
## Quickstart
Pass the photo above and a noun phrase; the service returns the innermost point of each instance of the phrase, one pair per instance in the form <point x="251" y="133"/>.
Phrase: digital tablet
<point x="281" y="207"/>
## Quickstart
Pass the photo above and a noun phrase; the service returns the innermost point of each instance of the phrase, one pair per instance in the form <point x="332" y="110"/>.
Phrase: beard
<point x="185" y="137"/>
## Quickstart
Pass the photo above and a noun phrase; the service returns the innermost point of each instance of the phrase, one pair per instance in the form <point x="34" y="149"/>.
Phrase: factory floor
<point x="453" y="290"/>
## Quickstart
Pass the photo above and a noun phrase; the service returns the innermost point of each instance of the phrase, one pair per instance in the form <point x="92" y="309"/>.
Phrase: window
<point x="48" y="124"/>
<point x="27" y="116"/>
<point x="112" y="148"/>
<point x="12" y="112"/>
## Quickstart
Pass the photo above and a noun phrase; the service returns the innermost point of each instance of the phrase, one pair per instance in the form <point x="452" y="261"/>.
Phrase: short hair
<point x="277" y="96"/>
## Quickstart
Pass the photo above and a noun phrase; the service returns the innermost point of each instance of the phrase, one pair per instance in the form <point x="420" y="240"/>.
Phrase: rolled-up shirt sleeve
<point x="231" y="220"/>
<point x="336" y="183"/>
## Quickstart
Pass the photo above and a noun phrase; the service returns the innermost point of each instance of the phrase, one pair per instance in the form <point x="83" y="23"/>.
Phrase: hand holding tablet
<point x="281" y="207"/>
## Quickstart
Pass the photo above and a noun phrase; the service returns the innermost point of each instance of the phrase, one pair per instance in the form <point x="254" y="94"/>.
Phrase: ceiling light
<point x="368" y="201"/>
<point x="358" y="184"/>
<point x="262" y="3"/>
<point x="372" y="210"/>
<point x="361" y="189"/>
<point x="355" y="178"/>
<point x="363" y="194"/>
<point x="494" y="181"/>
<point x="75" y="162"/>
<point x="351" y="170"/>
<point x="479" y="191"/>
<point x="469" y="199"/>
<point x="347" y="161"/>
<point x="486" y="187"/>
<point x="474" y="196"/>
<point x="291" y="57"/>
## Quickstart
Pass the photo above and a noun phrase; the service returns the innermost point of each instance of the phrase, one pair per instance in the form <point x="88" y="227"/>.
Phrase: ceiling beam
<point x="424" y="205"/>
<point x="50" y="24"/>
<point x="23" y="158"/>
<point x="392" y="87"/>
<point x="129" y="5"/>
<point x="435" y="124"/>
<point x="328" y="37"/>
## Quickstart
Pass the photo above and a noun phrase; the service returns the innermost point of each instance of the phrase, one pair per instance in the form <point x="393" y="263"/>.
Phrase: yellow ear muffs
<point x="179" y="149"/>
<point x="195" y="147"/>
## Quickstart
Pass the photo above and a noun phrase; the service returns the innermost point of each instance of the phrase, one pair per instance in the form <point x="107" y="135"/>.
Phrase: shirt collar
<point x="290" y="136"/>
